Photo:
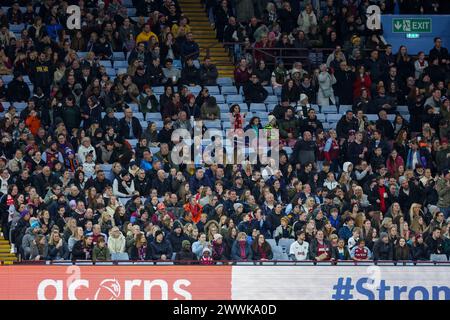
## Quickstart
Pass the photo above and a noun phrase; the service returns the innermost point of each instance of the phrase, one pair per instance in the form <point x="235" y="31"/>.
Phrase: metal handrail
<point x="235" y="262"/>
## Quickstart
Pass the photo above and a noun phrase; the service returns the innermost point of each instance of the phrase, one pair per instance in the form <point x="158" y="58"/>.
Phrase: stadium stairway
<point x="5" y="256"/>
<point x="205" y="36"/>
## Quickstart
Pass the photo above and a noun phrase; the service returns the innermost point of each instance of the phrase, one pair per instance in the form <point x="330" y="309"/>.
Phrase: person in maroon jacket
<point x="361" y="252"/>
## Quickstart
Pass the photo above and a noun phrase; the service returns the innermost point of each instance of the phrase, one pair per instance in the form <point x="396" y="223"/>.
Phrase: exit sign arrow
<point x="398" y="25"/>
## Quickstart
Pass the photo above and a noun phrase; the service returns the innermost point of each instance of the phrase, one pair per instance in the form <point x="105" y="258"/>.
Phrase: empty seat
<point x="329" y="109"/>
<point x="195" y="90"/>
<point x="131" y="12"/>
<point x="106" y="167"/>
<point x="271" y="99"/>
<point x="134" y="107"/>
<point x="153" y="116"/>
<point x="154" y="150"/>
<point x="316" y="107"/>
<point x="285" y="244"/>
<point x="258" y="107"/>
<point x="107" y="64"/>
<point x="120" y="256"/>
<point x="138" y="115"/>
<point x="16" y="27"/>
<point x="224" y="107"/>
<point x="271" y="107"/>
<point x="288" y="150"/>
<point x="234" y="98"/>
<point x="391" y="117"/>
<point x="219" y="98"/>
<point x="333" y="117"/>
<point x="143" y="123"/>
<point x="277" y="91"/>
<point x="158" y="90"/>
<point x="120" y="64"/>
<point x="133" y="142"/>
<point x="124" y="200"/>
<point x="7" y="78"/>
<point x="372" y="117"/>
<point x="269" y="90"/>
<point x="403" y="109"/>
<point x="82" y="54"/>
<point x="177" y="64"/>
<point x="213" y="89"/>
<point x="320" y="117"/>
<point x="344" y="108"/>
<point x="272" y="243"/>
<point x="111" y="71"/>
<point x="229" y="90"/>
<point x="212" y="124"/>
<point x="224" y="81"/>
<point x="119" y="55"/>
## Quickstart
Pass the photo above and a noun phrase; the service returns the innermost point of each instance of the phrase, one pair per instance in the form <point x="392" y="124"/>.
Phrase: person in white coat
<point x="116" y="241"/>
<point x="307" y="19"/>
<point x="326" y="82"/>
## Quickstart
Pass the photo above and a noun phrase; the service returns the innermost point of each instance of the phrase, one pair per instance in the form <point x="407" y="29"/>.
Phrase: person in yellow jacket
<point x="182" y="24"/>
<point x="145" y="35"/>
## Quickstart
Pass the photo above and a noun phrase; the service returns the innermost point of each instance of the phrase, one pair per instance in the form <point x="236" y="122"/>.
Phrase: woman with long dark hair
<point x="261" y="249"/>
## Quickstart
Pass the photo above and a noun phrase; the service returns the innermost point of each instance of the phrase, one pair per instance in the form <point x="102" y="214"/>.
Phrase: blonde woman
<point x="415" y="211"/>
<point x="116" y="241"/>
<point x="57" y="247"/>
<point x="69" y="228"/>
<point x="112" y="206"/>
<point x="308" y="207"/>
<point x="211" y="228"/>
<point x="106" y="222"/>
<point x="76" y="236"/>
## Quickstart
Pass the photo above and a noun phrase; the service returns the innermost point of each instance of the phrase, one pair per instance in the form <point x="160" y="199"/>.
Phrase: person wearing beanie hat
<point x="177" y="236"/>
<point x="383" y="249"/>
<point x="160" y="247"/>
<point x="19" y="231"/>
<point x="185" y="254"/>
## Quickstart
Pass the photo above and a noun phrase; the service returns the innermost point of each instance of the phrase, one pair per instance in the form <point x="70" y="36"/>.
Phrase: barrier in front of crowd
<point x="241" y="281"/>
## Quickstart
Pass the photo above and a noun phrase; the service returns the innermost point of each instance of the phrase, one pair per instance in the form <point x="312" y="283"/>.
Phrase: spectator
<point x="241" y="250"/>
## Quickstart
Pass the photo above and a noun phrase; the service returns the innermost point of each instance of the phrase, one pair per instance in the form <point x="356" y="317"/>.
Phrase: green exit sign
<point x="411" y="25"/>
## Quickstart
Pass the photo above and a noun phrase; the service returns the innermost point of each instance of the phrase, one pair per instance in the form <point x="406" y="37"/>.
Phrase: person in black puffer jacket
<point x="176" y="237"/>
<point x="383" y="249"/>
<point x="185" y="254"/>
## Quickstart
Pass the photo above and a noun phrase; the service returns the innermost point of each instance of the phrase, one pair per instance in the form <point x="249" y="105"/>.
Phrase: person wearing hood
<point x="18" y="90"/>
<point x="20" y="229"/>
<point x="383" y="248"/>
<point x="206" y="258"/>
<point x="29" y="237"/>
<point x="160" y="248"/>
<point x="185" y="254"/>
<point x="116" y="241"/>
<point x="177" y="236"/>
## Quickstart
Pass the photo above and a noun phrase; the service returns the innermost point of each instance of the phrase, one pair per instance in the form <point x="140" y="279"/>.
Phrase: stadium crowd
<point x="82" y="179"/>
